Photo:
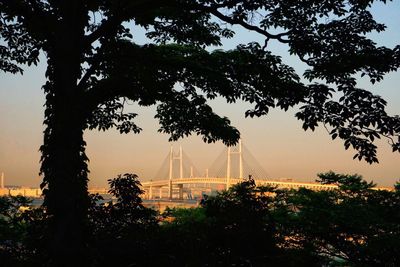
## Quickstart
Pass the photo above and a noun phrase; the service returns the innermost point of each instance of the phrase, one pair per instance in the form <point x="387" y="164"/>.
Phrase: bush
<point x="247" y="225"/>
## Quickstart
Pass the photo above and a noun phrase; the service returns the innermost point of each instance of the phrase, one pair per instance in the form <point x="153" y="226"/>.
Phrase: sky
<point x="277" y="141"/>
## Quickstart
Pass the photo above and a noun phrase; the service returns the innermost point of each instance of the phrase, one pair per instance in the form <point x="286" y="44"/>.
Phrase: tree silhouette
<point x="355" y="223"/>
<point x="94" y="65"/>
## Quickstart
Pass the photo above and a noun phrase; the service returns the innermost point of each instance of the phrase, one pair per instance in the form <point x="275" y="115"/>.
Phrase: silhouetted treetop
<point x="329" y="36"/>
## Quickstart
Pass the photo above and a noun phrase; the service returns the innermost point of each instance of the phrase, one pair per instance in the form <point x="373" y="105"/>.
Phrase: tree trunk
<point x="64" y="163"/>
<point x="65" y="170"/>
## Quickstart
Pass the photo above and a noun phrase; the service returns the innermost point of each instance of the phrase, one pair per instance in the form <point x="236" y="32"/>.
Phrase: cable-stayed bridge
<point x="178" y="176"/>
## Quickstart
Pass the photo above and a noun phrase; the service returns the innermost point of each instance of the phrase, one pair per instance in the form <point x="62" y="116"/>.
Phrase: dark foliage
<point x="121" y="229"/>
<point x="94" y="65"/>
<point x="22" y="232"/>
<point x="247" y="225"/>
<point x="355" y="223"/>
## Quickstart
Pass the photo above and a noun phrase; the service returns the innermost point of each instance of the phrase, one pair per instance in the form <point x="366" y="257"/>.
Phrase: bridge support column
<point x="228" y="169"/>
<point x="180" y="186"/>
<point x="171" y="160"/>
<point x="180" y="163"/>
<point x="240" y="160"/>
<point x="160" y="192"/>
<point x="150" y="195"/>
<point x="170" y="192"/>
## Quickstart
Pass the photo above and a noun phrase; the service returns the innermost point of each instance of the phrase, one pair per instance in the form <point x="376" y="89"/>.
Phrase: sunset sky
<point x="277" y="141"/>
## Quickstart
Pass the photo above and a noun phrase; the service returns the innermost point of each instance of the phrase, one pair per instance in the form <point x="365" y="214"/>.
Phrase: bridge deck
<point x="224" y="181"/>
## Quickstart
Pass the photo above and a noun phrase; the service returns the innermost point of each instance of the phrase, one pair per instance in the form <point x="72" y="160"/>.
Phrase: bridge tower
<point x="173" y="157"/>
<point x="228" y="165"/>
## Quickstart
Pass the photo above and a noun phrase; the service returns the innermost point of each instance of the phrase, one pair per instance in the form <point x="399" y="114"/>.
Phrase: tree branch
<point x="245" y="25"/>
<point x="106" y="28"/>
<point x="123" y="13"/>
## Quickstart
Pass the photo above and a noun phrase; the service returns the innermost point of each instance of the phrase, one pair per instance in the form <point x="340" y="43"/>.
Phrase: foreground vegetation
<point x="246" y="225"/>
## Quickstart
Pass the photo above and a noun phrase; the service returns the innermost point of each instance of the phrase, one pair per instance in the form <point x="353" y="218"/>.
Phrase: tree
<point x="236" y="227"/>
<point x="120" y="227"/>
<point x="11" y="219"/>
<point x="355" y="223"/>
<point x="94" y="65"/>
<point x="241" y="214"/>
<point x="22" y="228"/>
<point x="125" y="212"/>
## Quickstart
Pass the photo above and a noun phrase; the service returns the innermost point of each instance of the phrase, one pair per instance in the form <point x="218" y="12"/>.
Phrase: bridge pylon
<point x="173" y="157"/>
<point x="228" y="164"/>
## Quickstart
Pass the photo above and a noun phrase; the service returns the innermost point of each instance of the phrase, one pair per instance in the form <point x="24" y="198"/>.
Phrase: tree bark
<point x="67" y="196"/>
<point x="64" y="163"/>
